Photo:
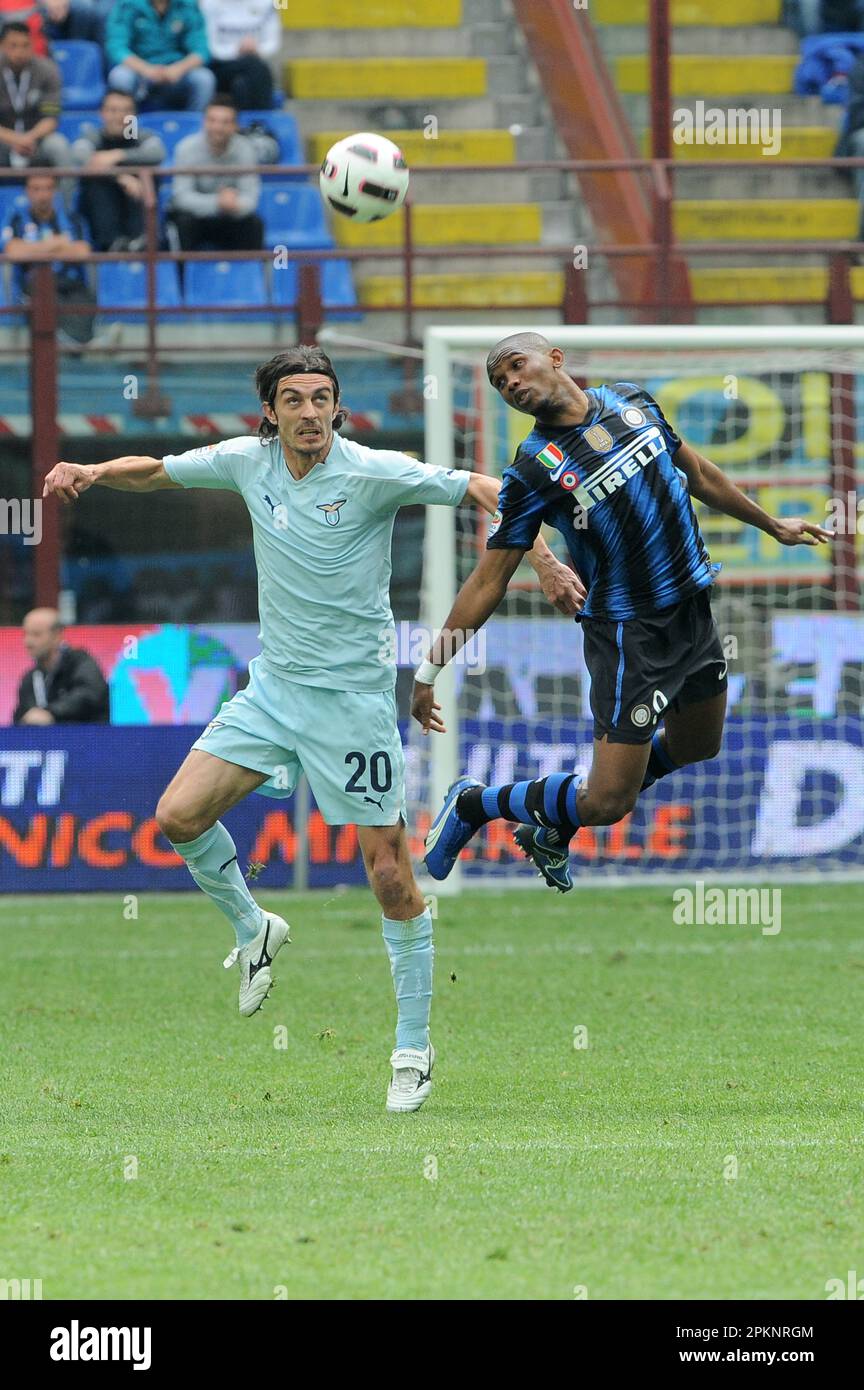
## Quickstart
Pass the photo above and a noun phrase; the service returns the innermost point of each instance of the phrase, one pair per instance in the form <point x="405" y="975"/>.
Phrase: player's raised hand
<point x="562" y="587"/>
<point x="67" y="481"/>
<point x="426" y="710"/>
<point x="796" y="530"/>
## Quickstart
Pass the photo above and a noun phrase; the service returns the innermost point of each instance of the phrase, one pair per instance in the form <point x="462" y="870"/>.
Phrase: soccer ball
<point x="365" y="177"/>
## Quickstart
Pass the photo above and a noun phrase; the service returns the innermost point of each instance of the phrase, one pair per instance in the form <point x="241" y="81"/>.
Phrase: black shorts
<point x="641" y="667"/>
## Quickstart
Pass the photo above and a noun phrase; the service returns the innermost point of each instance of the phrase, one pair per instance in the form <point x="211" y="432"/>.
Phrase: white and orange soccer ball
<point x="364" y="177"/>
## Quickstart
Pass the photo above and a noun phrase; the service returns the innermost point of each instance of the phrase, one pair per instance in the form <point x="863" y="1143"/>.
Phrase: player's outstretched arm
<point x="476" y="601"/>
<point x="711" y="486"/>
<point x="130" y="474"/>
<point x="560" y="585"/>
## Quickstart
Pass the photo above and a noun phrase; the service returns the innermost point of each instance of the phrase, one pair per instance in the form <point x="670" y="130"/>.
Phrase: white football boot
<point x="412" y="1078"/>
<point x="256" y="979"/>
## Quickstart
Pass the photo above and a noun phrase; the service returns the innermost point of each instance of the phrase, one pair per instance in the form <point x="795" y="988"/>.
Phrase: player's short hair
<point x="14" y="26"/>
<point x="296" y="361"/>
<point x="112" y="92"/>
<point x="517" y="342"/>
<point x="224" y="99"/>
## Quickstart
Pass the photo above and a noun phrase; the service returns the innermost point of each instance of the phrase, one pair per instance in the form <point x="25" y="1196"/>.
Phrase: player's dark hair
<point x="223" y="99"/>
<point x="112" y="92"/>
<point x="517" y="342"/>
<point x="295" y="361"/>
<point x="14" y="27"/>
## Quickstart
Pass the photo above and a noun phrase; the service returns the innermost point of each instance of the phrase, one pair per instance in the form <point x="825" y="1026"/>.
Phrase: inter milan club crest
<point x="632" y="416"/>
<point x="599" y="438"/>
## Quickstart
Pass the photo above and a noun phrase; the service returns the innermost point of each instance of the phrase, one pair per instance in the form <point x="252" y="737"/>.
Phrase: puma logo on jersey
<point x="271" y="505"/>
<point x="332" y="510"/>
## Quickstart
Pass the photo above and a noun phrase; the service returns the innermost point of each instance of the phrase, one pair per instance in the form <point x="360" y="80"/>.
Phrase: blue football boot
<point x="448" y="833"/>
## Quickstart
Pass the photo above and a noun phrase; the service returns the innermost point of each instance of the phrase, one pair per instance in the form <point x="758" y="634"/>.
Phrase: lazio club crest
<point x="332" y="510"/>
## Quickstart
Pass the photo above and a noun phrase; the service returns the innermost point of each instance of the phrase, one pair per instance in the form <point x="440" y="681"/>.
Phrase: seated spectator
<point x="217" y="212"/>
<point x="29" y="103"/>
<point x="837" y="16"/>
<point x="113" y="206"/>
<point x="71" y="19"/>
<point x="157" y="52"/>
<point x="242" y="35"/>
<point x="23" y="12"/>
<point x="65" y="685"/>
<point x="46" y="231"/>
<point x="851" y="141"/>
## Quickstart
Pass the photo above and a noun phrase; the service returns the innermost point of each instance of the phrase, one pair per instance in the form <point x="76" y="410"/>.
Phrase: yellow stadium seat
<point x="372" y="14"/>
<point x="455" y="224"/>
<point x="707" y="75"/>
<point x="506" y="291"/>
<point x="772" y="219"/>
<point x="385" y="78"/>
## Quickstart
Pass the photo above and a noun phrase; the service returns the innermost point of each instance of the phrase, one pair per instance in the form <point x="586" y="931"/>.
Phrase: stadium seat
<point x="69" y="123"/>
<point x="125" y="283"/>
<point x="172" y="126"/>
<point x="228" y="283"/>
<point x="284" y="127"/>
<point x="293" y="215"/>
<point x="80" y="65"/>
<point x="337" y="284"/>
<point x="11" y="196"/>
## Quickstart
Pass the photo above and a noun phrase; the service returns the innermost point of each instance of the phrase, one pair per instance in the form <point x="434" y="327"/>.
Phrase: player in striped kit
<point x="607" y="470"/>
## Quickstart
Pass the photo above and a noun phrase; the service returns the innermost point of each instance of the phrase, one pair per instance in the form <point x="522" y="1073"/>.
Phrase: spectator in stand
<point x="65" y="685"/>
<point x="808" y="17"/>
<point x="217" y="212"/>
<point x="157" y="52"/>
<point x="21" y="12"/>
<point x="113" y="205"/>
<point x="243" y="35"/>
<point x="851" y="142"/>
<point x="29" y="103"/>
<point x="46" y="231"/>
<point x="73" y="20"/>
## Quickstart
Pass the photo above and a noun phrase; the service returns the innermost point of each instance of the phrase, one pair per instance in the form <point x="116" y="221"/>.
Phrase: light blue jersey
<point x="322" y="550"/>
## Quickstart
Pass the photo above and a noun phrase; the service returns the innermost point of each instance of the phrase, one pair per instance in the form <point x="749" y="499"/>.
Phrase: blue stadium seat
<point x="12" y="195"/>
<point x="126" y="284"/>
<point x="80" y="65"/>
<point x="69" y="123"/>
<point x="172" y="126"/>
<point x="338" y="294"/>
<point x="293" y="215"/>
<point x="284" y="127"/>
<point x="228" y="283"/>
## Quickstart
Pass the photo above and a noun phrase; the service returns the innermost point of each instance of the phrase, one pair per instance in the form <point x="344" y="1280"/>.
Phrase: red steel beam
<point x="591" y="122"/>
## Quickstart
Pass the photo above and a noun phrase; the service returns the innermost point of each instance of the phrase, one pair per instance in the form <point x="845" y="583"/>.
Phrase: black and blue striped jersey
<point x="611" y="487"/>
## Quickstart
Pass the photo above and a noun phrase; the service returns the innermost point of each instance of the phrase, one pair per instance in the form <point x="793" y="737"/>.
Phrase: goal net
<point x="778" y="409"/>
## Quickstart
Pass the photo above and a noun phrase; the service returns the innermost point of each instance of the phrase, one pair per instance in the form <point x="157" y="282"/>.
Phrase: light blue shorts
<point x="346" y="741"/>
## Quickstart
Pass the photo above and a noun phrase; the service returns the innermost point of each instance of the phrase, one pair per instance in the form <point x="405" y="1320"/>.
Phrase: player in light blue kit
<point x="320" y="697"/>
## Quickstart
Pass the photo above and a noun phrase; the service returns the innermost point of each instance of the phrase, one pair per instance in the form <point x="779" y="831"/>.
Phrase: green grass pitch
<point x="153" y="1144"/>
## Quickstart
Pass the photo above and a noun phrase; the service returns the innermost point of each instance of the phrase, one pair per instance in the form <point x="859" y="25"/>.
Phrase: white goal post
<point x="779" y="409"/>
